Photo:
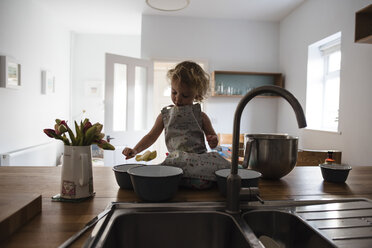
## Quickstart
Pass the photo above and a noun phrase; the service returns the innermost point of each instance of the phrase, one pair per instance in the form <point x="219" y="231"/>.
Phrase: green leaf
<point x="79" y="135"/>
<point x="81" y="130"/>
<point x="90" y="135"/>
<point x="72" y="137"/>
<point x="65" y="140"/>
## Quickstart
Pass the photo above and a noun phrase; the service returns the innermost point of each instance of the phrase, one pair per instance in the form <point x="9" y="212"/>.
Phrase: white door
<point x="128" y="104"/>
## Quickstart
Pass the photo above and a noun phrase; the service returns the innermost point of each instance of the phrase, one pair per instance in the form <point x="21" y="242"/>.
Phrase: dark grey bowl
<point x="249" y="178"/>
<point x="335" y="173"/>
<point x="122" y="176"/>
<point x="155" y="183"/>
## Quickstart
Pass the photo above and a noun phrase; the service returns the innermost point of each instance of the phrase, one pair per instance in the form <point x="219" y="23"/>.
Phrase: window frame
<point x="320" y="53"/>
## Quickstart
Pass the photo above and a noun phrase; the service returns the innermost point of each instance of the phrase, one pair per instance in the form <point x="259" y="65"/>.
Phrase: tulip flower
<point x="86" y="120"/>
<point x="86" y="134"/>
<point x="62" y="129"/>
<point x="100" y="136"/>
<point x="105" y="145"/>
<point x="87" y="125"/>
<point x="99" y="127"/>
<point x="50" y="132"/>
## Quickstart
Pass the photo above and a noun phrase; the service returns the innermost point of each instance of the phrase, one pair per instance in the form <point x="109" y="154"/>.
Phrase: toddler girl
<point x="185" y="125"/>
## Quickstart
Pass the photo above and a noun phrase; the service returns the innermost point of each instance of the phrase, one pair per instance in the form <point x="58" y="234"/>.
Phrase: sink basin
<point x="172" y="229"/>
<point x="172" y="225"/>
<point x="284" y="229"/>
<point x="308" y="223"/>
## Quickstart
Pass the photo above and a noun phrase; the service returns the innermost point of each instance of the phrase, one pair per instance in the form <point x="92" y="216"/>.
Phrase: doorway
<point x="135" y="92"/>
<point x="128" y="103"/>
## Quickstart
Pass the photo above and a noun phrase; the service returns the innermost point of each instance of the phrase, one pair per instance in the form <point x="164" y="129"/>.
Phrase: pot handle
<point x="84" y="169"/>
<point x="247" y="153"/>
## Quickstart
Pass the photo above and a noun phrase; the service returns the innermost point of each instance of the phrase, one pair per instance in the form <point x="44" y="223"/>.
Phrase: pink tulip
<point x="99" y="127"/>
<point x="87" y="125"/>
<point x="86" y="134"/>
<point x="60" y="127"/>
<point x="50" y="132"/>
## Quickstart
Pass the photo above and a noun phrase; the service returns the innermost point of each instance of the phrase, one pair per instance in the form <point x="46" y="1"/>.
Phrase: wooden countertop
<point x="60" y="220"/>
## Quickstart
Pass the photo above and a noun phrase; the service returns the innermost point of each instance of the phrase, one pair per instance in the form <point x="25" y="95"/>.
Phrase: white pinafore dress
<point x="184" y="138"/>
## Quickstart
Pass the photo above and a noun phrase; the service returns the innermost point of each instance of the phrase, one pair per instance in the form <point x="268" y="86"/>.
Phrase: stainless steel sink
<point x="284" y="229"/>
<point x="172" y="225"/>
<point x="206" y="224"/>
<point x="173" y="229"/>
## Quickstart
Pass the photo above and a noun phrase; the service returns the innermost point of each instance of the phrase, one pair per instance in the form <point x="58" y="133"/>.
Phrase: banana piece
<point x="147" y="156"/>
<point x="138" y="157"/>
<point x="143" y="157"/>
<point x="152" y="155"/>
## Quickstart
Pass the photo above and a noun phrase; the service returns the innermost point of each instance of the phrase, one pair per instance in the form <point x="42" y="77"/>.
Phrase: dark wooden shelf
<point x="240" y="82"/>
<point x="363" y="25"/>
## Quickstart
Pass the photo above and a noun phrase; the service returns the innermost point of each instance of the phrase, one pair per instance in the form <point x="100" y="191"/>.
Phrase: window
<point x="323" y="84"/>
<point x="120" y="97"/>
<point x="140" y="91"/>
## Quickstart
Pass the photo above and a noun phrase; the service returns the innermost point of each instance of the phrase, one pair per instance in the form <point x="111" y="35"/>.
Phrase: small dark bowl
<point x="155" y="183"/>
<point x="122" y="176"/>
<point x="335" y="173"/>
<point x="249" y="178"/>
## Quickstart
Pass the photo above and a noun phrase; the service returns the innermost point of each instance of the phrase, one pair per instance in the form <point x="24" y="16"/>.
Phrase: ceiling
<point x="124" y="16"/>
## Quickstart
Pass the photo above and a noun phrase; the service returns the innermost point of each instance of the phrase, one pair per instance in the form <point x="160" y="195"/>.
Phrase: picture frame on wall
<point x="47" y="82"/>
<point x="10" y="73"/>
<point x="93" y="88"/>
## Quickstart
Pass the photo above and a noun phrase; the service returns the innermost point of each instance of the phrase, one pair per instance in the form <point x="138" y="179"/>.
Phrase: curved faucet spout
<point x="233" y="181"/>
<point x="301" y="120"/>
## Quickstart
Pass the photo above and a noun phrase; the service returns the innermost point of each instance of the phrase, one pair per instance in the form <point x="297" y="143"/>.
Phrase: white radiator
<point x="47" y="154"/>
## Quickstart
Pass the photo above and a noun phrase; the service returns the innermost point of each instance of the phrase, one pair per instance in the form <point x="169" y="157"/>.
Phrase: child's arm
<point x="210" y="134"/>
<point x="147" y="140"/>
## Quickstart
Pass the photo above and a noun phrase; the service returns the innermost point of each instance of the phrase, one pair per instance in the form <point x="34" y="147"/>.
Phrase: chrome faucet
<point x="234" y="180"/>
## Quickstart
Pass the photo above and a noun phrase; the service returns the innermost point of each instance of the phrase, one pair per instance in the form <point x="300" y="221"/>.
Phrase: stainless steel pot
<point x="274" y="155"/>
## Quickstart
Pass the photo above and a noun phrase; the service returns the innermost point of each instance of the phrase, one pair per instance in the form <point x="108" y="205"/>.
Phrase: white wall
<point x="225" y="45"/>
<point x="297" y="32"/>
<point x="89" y="66"/>
<point x="29" y="34"/>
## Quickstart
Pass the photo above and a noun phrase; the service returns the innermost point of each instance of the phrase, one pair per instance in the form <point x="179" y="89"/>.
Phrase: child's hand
<point x="212" y="140"/>
<point x="129" y="152"/>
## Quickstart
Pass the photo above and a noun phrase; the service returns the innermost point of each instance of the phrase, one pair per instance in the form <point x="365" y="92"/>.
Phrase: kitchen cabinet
<point x="363" y="25"/>
<point x="237" y="84"/>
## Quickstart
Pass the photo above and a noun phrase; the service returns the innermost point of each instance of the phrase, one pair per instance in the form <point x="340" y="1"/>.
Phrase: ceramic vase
<point x="77" y="174"/>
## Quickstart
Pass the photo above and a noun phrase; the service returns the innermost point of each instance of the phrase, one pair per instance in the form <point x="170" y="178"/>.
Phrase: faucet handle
<point x="250" y="194"/>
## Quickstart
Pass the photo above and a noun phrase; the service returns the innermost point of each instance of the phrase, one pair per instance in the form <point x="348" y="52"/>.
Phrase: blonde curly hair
<point x="191" y="74"/>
